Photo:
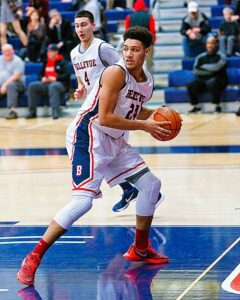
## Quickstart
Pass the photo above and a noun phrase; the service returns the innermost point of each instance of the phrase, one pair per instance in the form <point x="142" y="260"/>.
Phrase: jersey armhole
<point x="126" y="80"/>
<point x="105" y="65"/>
<point x="153" y="85"/>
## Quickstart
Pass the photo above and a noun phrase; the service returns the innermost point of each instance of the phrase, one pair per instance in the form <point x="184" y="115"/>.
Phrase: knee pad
<point x="149" y="187"/>
<point x="70" y="213"/>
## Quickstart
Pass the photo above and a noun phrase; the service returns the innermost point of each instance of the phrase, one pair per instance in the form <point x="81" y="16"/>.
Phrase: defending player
<point x="89" y="59"/>
<point x="96" y="146"/>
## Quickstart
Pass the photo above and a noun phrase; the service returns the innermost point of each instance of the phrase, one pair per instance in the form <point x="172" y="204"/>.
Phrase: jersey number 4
<point x="86" y="78"/>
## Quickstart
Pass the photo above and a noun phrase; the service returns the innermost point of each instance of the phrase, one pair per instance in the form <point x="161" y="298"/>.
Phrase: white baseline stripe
<point x="208" y="269"/>
<point x="4" y="290"/>
<point x="35" y="242"/>
<point x="36" y="237"/>
<point x="40" y="125"/>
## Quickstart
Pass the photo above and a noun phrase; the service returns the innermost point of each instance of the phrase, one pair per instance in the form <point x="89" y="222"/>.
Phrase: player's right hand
<point x="156" y="128"/>
<point x="78" y="94"/>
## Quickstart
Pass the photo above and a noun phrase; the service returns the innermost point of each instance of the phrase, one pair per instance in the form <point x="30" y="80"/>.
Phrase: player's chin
<point x="130" y="65"/>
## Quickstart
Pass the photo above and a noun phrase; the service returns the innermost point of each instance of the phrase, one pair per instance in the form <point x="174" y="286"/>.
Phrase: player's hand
<point x="78" y="94"/>
<point x="156" y="128"/>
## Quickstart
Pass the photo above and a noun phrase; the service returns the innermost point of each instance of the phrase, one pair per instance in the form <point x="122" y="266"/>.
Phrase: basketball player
<point x="96" y="147"/>
<point x="89" y="59"/>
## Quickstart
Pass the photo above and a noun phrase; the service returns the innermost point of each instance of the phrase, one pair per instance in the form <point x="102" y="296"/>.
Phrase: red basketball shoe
<point x="149" y="255"/>
<point x="29" y="266"/>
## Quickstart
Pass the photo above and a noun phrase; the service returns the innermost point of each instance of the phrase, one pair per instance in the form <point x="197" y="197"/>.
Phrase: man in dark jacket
<point x="195" y="30"/>
<point x="54" y="82"/>
<point x="59" y="31"/>
<point x="210" y="70"/>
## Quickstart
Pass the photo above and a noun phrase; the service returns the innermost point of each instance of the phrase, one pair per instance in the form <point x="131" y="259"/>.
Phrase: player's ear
<point x="93" y="25"/>
<point x="147" y="51"/>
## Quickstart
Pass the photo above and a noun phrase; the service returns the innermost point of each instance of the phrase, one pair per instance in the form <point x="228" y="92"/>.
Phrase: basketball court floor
<point x="197" y="225"/>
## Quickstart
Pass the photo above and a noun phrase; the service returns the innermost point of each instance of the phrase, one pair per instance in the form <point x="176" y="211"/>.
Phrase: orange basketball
<point x="169" y="114"/>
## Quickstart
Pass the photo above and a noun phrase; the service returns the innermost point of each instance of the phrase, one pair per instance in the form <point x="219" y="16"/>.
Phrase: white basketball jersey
<point x="88" y="65"/>
<point x="130" y="100"/>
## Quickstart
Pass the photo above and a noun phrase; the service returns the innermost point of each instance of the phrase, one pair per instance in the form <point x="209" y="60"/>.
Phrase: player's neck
<point x="138" y="75"/>
<point x="86" y="44"/>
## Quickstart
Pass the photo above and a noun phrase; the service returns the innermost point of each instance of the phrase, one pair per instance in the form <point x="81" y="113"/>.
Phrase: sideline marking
<point x="4" y="290"/>
<point x="36" y="237"/>
<point x="208" y="269"/>
<point x="35" y="242"/>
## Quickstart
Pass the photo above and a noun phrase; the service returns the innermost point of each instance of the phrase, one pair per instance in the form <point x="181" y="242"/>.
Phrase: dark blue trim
<point x="141" y="150"/>
<point x="9" y="223"/>
<point x="189" y="149"/>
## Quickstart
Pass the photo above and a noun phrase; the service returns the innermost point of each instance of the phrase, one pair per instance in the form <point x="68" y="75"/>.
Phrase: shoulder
<point x="201" y="55"/>
<point x="18" y="59"/>
<point x="114" y="75"/>
<point x="104" y="45"/>
<point x="115" y="71"/>
<point x="74" y="51"/>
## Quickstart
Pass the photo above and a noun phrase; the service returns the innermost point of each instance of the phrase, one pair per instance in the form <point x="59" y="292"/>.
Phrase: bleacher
<point x="114" y="16"/>
<point x="178" y="79"/>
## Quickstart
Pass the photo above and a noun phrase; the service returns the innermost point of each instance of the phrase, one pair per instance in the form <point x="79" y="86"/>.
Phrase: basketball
<point x="169" y="114"/>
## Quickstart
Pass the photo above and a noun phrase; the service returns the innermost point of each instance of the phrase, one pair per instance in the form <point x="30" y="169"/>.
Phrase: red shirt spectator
<point x="141" y="17"/>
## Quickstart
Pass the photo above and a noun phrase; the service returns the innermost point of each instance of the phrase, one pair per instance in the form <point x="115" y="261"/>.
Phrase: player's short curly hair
<point x="86" y="14"/>
<point x="141" y="34"/>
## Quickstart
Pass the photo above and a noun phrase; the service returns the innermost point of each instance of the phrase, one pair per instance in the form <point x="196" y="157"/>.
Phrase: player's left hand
<point x="78" y="94"/>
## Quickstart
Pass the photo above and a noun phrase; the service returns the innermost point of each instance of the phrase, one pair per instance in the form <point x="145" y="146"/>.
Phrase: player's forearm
<point x="145" y="113"/>
<point x="117" y="122"/>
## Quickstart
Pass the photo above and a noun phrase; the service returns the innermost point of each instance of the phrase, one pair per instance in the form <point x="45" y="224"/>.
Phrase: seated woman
<point x="36" y="32"/>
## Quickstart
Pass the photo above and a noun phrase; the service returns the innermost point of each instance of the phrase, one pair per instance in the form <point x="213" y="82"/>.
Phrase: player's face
<point x="84" y="29"/>
<point x="134" y="54"/>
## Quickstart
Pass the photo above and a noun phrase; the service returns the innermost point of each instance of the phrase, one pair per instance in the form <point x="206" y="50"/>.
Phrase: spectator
<point x="236" y="16"/>
<point x="195" y="29"/>
<point x="54" y="82"/>
<point x="42" y="6"/>
<point x="11" y="12"/>
<point x="142" y="18"/>
<point x="12" y="79"/>
<point x="154" y="6"/>
<point x="59" y="32"/>
<point x="210" y="70"/>
<point x="229" y="31"/>
<point x="119" y="4"/>
<point x="76" y="5"/>
<point x="36" y="32"/>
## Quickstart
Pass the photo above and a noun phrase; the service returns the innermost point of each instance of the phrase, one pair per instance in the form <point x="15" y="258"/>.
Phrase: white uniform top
<point x="90" y="63"/>
<point x="130" y="100"/>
